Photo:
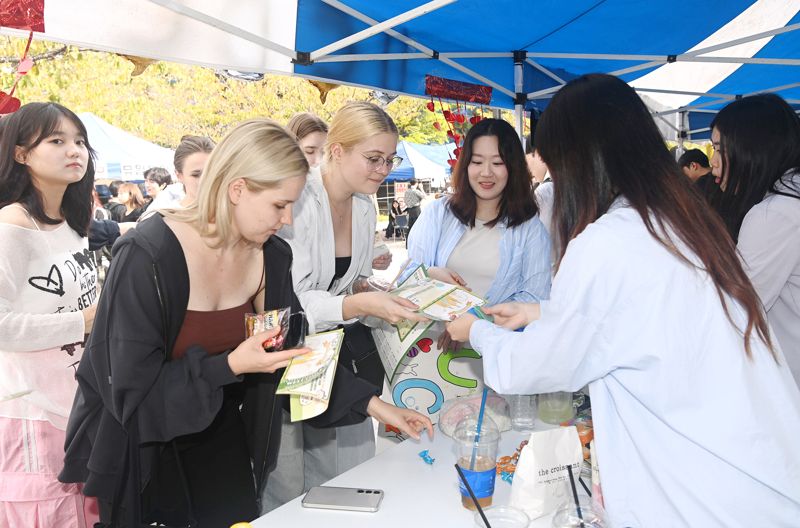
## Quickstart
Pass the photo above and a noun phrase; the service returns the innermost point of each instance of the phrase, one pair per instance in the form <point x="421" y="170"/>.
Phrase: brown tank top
<point x="216" y="331"/>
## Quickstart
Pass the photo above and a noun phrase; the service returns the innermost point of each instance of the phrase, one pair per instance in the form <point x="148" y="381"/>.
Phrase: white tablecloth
<point x="416" y="495"/>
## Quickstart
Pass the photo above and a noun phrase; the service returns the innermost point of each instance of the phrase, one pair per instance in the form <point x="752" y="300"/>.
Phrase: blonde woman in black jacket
<point x="172" y="400"/>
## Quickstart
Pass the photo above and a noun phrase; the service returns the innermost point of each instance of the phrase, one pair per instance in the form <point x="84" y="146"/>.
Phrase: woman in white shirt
<point x="332" y="244"/>
<point x="48" y="292"/>
<point x="696" y="415"/>
<point x="757" y="159"/>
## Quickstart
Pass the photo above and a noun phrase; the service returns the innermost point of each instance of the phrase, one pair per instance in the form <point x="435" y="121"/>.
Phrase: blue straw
<point x="480" y="425"/>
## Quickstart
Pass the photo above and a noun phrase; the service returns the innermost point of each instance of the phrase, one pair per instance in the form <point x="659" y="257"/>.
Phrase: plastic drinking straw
<point x="472" y="496"/>
<point x="585" y="487"/>
<point x="478" y="433"/>
<point x="575" y="495"/>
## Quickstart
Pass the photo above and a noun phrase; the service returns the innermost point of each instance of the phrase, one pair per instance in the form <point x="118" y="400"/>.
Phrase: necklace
<point x="339" y="214"/>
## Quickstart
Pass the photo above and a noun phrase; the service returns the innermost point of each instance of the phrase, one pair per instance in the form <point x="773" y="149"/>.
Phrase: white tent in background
<point x="120" y="154"/>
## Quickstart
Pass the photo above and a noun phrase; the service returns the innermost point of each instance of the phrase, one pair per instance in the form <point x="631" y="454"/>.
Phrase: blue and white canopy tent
<point x="683" y="56"/>
<point x="120" y="154"/>
<point x="423" y="162"/>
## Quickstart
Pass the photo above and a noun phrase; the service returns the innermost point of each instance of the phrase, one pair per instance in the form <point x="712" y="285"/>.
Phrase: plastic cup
<point x="556" y="407"/>
<point x="566" y="516"/>
<point x="477" y="457"/>
<point x="503" y="517"/>
<point x="523" y="411"/>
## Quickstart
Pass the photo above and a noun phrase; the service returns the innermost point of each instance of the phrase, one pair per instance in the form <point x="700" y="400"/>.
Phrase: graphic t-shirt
<point x="46" y="279"/>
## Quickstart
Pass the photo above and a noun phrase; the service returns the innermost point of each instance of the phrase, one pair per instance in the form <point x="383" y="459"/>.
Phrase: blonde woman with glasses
<point x="332" y="240"/>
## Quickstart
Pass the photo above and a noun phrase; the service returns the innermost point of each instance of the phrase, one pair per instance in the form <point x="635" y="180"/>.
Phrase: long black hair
<point x="26" y="128"/>
<point x="517" y="204"/>
<point x="759" y="144"/>
<point x="599" y="141"/>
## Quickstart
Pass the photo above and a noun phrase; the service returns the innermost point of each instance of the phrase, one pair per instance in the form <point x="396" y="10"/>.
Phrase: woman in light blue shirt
<point x="487" y="235"/>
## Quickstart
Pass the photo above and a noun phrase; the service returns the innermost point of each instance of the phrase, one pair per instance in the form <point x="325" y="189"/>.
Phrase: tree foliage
<point x="170" y="100"/>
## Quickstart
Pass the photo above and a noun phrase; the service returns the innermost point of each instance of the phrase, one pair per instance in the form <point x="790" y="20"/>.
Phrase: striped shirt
<point x="413" y="197"/>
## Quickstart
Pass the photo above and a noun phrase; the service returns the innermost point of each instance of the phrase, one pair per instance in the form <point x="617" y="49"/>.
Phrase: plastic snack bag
<point x="255" y="323"/>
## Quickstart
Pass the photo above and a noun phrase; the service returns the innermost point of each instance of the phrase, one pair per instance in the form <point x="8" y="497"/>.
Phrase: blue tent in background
<point x="423" y="162"/>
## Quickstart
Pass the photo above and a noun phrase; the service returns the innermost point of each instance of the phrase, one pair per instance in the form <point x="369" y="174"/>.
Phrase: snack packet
<point x="255" y="323"/>
<point x="370" y="284"/>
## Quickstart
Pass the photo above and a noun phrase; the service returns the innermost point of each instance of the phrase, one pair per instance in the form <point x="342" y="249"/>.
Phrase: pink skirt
<point x="31" y="456"/>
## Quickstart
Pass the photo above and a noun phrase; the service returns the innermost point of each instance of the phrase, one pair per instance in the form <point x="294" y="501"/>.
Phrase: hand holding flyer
<point x="439" y="300"/>
<point x="309" y="378"/>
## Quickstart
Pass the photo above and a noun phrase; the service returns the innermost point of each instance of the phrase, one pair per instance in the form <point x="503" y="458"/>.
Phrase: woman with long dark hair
<point x="48" y="290"/>
<point x="757" y="160"/>
<point x="695" y="413"/>
<point x="394" y="211"/>
<point x="486" y="235"/>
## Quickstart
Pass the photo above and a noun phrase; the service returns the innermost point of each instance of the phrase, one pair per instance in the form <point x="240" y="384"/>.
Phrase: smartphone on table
<point x="352" y="499"/>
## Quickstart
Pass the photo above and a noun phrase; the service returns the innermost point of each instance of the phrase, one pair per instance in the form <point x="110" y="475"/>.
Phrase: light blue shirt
<point x="689" y="431"/>
<point x="524" y="272"/>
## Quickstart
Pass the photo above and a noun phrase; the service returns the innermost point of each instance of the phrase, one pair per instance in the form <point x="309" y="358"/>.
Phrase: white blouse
<point x="769" y="243"/>
<point x="314" y="253"/>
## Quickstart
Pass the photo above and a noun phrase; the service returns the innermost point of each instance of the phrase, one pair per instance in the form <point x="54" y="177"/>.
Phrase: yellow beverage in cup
<point x="556" y="407"/>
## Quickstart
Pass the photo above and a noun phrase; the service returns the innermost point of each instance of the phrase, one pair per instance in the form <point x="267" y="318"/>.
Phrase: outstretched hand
<point x="459" y="329"/>
<point x="513" y="315"/>
<point x="446" y="275"/>
<point x="382" y="261"/>
<point x="410" y="423"/>
<point x="388" y="307"/>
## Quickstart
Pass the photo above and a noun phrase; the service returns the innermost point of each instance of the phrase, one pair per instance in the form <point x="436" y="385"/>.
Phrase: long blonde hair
<point x="261" y="152"/>
<point x="356" y="122"/>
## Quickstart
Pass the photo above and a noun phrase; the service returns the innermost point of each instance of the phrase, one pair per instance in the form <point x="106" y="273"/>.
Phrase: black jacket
<point x="129" y="390"/>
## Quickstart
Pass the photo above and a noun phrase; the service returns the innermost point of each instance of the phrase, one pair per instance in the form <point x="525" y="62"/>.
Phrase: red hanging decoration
<point x="8" y="103"/>
<point x="458" y="121"/>
<point x="22" y="14"/>
<point x="457" y="90"/>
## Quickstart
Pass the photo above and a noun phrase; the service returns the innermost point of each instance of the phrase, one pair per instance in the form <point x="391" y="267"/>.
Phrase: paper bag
<point x="541" y="481"/>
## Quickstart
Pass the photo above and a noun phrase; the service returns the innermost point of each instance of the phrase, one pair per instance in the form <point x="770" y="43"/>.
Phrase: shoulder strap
<point x="28" y="214"/>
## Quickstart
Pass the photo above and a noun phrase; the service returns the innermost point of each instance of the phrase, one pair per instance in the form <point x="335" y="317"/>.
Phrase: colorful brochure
<point x="309" y="378"/>
<point x="439" y="300"/>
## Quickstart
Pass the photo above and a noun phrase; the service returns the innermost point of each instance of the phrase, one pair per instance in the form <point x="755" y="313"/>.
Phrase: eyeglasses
<point x="376" y="162"/>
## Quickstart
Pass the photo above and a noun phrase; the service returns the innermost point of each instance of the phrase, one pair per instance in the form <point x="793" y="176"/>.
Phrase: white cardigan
<point x="312" y="242"/>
